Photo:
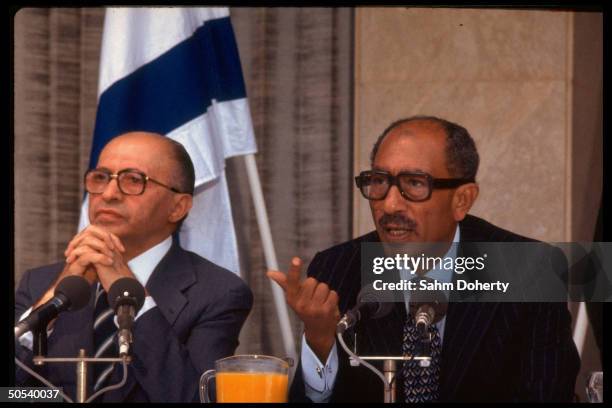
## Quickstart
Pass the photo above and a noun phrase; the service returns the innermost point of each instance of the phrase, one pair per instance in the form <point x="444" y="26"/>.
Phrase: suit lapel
<point x="383" y="338"/>
<point x="171" y="276"/>
<point x="466" y="325"/>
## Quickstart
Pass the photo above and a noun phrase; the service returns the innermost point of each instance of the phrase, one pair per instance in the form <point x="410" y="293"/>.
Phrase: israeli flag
<point x="176" y="71"/>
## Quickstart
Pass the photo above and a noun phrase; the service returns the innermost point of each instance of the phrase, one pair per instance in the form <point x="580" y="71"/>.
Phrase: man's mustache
<point x="397" y="220"/>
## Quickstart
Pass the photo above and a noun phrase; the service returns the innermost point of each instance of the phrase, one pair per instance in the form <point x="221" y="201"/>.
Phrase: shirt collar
<point x="446" y="275"/>
<point x="143" y="265"/>
<point x="441" y="275"/>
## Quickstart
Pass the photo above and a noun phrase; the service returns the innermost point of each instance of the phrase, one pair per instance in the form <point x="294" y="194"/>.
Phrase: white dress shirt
<point x="141" y="266"/>
<point x="319" y="378"/>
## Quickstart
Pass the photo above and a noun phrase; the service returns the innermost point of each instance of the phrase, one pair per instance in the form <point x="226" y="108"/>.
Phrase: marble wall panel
<point x="447" y="44"/>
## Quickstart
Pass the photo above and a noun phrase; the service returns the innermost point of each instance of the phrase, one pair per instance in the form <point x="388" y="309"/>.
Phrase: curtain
<point x="56" y="53"/>
<point x="297" y="67"/>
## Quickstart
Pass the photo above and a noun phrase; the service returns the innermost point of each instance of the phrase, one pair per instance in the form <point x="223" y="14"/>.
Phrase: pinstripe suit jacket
<point x="491" y="351"/>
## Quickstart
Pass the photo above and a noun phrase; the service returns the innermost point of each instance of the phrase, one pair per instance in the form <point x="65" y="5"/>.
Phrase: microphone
<point x="428" y="307"/>
<point x="368" y="306"/>
<point x="71" y="293"/>
<point x="126" y="297"/>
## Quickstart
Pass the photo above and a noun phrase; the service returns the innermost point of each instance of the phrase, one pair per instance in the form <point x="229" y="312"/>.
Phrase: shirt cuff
<point x="148" y="304"/>
<point x="318" y="378"/>
<point x="27" y="339"/>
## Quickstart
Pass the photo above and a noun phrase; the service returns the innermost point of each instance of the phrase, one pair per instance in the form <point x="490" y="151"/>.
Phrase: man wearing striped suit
<point x="420" y="189"/>
<point x="140" y="192"/>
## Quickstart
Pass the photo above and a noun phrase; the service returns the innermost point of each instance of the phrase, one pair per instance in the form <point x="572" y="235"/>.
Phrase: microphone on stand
<point x="368" y="306"/>
<point x="71" y="293"/>
<point x="126" y="297"/>
<point x="428" y="307"/>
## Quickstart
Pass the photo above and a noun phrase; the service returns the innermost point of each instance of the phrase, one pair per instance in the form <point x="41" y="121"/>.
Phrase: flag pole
<point x="270" y="255"/>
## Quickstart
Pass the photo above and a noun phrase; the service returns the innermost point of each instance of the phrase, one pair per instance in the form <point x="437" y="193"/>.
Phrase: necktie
<point x="420" y="383"/>
<point x="104" y="338"/>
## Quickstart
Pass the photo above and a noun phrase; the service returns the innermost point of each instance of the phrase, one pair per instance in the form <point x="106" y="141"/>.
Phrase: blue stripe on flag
<point x="173" y="89"/>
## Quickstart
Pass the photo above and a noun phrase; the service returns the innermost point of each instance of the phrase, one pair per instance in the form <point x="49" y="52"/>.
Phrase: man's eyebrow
<point x="132" y="169"/>
<point x="402" y="170"/>
<point x="413" y="170"/>
<point x="126" y="169"/>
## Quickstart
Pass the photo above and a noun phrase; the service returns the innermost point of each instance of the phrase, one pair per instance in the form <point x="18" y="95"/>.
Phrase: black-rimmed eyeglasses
<point x="413" y="186"/>
<point x="129" y="181"/>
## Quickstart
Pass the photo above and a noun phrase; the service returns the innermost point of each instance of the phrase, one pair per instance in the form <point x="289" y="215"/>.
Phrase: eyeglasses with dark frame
<point x="413" y="186"/>
<point x="129" y="181"/>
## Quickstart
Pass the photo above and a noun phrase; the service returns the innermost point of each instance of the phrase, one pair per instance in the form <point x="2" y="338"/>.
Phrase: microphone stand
<point x="39" y="340"/>
<point x="389" y="366"/>
<point x="81" y="367"/>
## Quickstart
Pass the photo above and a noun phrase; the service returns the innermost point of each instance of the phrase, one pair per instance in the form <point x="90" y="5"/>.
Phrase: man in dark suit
<point x="420" y="189"/>
<point x="139" y="194"/>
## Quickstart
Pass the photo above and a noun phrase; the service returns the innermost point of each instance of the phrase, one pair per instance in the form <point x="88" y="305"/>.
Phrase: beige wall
<point x="586" y="132"/>
<point x="525" y="83"/>
<point x="506" y="75"/>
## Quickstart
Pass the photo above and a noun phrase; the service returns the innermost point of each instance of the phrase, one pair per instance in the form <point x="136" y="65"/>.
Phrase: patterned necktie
<point x="104" y="338"/>
<point x="420" y="383"/>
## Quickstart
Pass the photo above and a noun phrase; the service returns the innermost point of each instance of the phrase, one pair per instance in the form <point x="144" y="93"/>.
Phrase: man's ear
<point x="463" y="199"/>
<point x="181" y="207"/>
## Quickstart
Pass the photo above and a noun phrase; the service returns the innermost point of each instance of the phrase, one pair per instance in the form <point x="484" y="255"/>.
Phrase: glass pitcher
<point x="247" y="378"/>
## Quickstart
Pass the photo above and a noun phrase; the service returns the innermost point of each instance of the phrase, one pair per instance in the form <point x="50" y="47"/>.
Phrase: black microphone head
<point x="76" y="290"/>
<point x="423" y="300"/>
<point x="375" y="308"/>
<point x="126" y="290"/>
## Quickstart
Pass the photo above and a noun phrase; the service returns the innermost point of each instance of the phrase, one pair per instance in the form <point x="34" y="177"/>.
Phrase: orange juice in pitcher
<point x="247" y="378"/>
<point x="248" y="387"/>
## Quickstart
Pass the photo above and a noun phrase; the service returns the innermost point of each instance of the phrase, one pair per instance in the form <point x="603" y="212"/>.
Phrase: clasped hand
<point x="96" y="254"/>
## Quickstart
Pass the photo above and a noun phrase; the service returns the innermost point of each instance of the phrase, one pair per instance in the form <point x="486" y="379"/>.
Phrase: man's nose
<point x="112" y="191"/>
<point x="393" y="201"/>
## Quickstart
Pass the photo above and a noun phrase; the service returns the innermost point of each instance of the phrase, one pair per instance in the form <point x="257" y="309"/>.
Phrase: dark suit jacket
<point x="200" y="310"/>
<point x="490" y="352"/>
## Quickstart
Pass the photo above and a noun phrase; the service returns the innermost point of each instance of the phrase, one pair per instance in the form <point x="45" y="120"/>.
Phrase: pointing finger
<point x="278" y="277"/>
<point x="293" y="275"/>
